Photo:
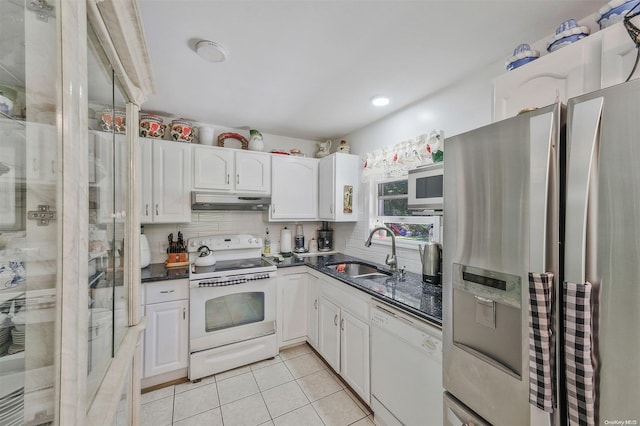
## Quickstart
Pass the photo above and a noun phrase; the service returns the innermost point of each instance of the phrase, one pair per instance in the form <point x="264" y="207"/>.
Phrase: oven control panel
<point x="225" y="242"/>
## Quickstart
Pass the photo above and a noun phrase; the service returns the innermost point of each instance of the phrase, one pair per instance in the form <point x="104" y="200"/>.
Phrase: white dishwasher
<point x="406" y="368"/>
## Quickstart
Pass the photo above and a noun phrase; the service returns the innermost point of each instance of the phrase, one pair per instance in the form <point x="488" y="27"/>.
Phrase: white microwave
<point x="425" y="188"/>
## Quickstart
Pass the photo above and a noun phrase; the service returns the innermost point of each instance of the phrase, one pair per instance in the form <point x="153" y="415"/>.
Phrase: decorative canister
<point x="256" y="143"/>
<point x="113" y="120"/>
<point x="151" y="126"/>
<point x="182" y="130"/>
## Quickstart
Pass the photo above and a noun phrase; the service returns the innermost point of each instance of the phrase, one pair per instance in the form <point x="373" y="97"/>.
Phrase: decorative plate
<point x="230" y="135"/>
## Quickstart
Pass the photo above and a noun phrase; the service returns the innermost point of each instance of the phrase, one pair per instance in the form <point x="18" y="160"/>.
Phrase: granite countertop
<point x="159" y="272"/>
<point x="410" y="295"/>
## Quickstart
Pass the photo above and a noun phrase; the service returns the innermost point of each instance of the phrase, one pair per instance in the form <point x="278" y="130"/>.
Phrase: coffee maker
<point x="325" y="238"/>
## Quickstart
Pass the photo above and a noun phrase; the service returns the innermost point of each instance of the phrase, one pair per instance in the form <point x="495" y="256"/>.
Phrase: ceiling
<point x="308" y="69"/>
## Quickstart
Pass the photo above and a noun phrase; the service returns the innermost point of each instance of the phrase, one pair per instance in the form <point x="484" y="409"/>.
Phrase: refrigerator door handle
<point x="582" y="160"/>
<point x="543" y="141"/>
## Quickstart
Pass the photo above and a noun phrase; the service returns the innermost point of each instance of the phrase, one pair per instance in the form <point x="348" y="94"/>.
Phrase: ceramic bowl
<point x="151" y="126"/>
<point x="113" y="120"/>
<point x="181" y="130"/>
<point x="568" y="32"/>
<point x="522" y="54"/>
<point x="614" y="11"/>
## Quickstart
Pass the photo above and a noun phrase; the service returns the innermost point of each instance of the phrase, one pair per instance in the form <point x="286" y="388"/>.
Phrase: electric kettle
<point x="430" y="255"/>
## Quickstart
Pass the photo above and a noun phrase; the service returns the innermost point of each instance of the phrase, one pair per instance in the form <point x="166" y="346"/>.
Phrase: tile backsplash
<point x="221" y="223"/>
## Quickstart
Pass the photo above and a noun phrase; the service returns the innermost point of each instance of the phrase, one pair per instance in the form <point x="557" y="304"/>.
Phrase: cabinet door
<point x="339" y="178"/>
<point x="213" y="168"/>
<point x="171" y="182"/>
<point x="329" y="332"/>
<point x="313" y="308"/>
<point x="294" y="191"/>
<point x="146" y="180"/>
<point x="354" y="354"/>
<point x="618" y="55"/>
<point x="166" y="342"/>
<point x="293" y="298"/>
<point x="327" y="187"/>
<point x="253" y="172"/>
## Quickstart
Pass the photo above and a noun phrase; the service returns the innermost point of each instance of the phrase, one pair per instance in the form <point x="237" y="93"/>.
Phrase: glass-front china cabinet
<point x="69" y="323"/>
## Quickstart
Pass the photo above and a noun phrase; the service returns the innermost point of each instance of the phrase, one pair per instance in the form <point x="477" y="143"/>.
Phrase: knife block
<point x="175" y="260"/>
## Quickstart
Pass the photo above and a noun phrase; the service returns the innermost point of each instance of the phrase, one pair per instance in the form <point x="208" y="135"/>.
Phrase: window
<point x="389" y="207"/>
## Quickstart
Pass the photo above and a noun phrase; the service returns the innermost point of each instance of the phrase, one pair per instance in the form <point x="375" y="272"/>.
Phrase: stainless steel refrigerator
<point x="526" y="200"/>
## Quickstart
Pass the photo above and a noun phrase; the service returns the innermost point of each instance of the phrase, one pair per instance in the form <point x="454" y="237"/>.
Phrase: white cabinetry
<point x="292" y="306"/>
<point x="313" y="289"/>
<point x="294" y="194"/>
<point x="165" y="181"/>
<point x="555" y="77"/>
<point x="618" y="55"/>
<point x="230" y="170"/>
<point x="166" y="337"/>
<point x="338" y="176"/>
<point x="343" y="334"/>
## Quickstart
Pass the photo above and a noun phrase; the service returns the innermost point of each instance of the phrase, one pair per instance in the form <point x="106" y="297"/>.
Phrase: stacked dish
<point x="614" y="11"/>
<point x="568" y="32"/>
<point x="17" y="332"/>
<point x="523" y="54"/>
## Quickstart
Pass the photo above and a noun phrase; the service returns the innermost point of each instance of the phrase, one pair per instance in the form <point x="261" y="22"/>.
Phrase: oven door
<point x="229" y="314"/>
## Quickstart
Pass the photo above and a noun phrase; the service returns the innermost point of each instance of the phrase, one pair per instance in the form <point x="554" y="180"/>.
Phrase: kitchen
<point x="451" y="104"/>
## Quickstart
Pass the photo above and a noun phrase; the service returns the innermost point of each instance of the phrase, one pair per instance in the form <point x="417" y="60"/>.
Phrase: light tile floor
<point x="295" y="388"/>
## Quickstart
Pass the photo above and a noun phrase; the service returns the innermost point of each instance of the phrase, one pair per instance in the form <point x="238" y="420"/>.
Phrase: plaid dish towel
<point x="577" y="346"/>
<point x="541" y="342"/>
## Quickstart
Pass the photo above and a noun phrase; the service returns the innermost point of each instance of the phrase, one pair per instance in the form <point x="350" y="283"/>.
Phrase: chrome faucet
<point x="391" y="259"/>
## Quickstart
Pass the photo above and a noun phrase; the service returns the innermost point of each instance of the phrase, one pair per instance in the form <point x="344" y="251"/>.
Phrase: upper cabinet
<point x="339" y="175"/>
<point x="294" y="193"/>
<point x="556" y="77"/>
<point x="165" y="181"/>
<point x="602" y="59"/>
<point x="230" y="170"/>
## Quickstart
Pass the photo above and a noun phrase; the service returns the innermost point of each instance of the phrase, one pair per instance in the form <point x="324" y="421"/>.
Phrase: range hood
<point x="209" y="201"/>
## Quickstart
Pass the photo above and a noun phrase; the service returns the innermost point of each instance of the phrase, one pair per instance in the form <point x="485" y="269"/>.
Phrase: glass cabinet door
<point x="29" y="200"/>
<point x="108" y="315"/>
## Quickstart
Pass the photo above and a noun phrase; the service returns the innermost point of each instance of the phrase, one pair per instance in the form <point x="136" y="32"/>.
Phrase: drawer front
<point x="351" y="299"/>
<point x="166" y="291"/>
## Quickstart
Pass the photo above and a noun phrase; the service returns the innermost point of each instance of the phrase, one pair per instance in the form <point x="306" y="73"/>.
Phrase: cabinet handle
<point x="342" y="324"/>
<point x="167" y="291"/>
<point x="237" y="179"/>
<point x="273" y="208"/>
<point x="335" y="320"/>
<point x="315" y="304"/>
<point x="331" y="209"/>
<point x="146" y="209"/>
<point x="227" y="179"/>
<point x="184" y="313"/>
<point x="157" y="212"/>
<point x="53" y="167"/>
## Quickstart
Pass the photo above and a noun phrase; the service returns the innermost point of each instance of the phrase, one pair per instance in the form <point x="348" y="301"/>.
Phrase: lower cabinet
<point x="343" y="334"/>
<point x="292" y="306"/>
<point x="313" y="288"/>
<point x="166" y="337"/>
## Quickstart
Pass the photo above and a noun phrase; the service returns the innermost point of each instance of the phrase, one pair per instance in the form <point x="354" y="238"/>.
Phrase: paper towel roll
<point x="145" y="253"/>
<point x="285" y="240"/>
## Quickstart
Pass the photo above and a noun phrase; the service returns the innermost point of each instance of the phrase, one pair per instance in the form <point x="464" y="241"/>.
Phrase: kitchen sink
<point x="358" y="270"/>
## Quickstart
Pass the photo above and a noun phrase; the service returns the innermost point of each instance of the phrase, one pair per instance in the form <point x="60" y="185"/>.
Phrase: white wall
<point x="461" y="107"/>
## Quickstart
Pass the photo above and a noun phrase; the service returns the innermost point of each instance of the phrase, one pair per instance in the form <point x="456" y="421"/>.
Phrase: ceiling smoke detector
<point x="210" y="51"/>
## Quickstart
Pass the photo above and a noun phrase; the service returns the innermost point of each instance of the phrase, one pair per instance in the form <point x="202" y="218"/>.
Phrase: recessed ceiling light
<point x="379" y="101"/>
<point x="210" y="51"/>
